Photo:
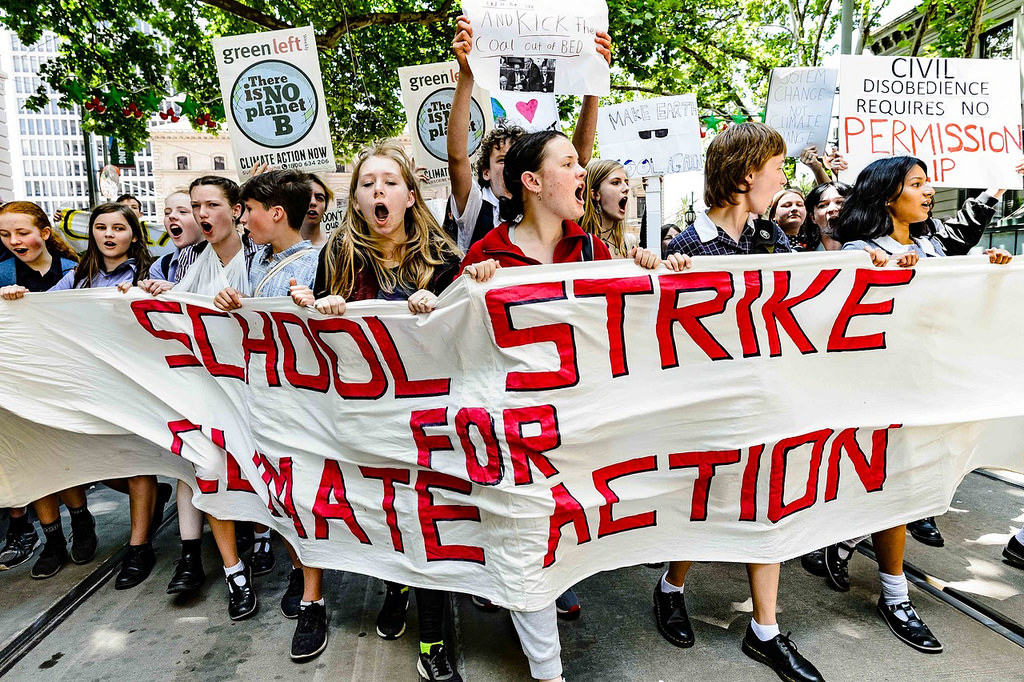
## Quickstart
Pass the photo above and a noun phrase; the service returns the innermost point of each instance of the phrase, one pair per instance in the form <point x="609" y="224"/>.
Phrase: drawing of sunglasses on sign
<point x="646" y="134"/>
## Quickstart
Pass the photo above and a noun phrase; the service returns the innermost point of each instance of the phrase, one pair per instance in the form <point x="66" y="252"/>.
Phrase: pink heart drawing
<point x="527" y="109"/>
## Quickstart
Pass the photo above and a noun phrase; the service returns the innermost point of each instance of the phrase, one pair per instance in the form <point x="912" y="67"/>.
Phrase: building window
<point x="997" y="43"/>
<point x="182" y="162"/>
<point x="218" y="163"/>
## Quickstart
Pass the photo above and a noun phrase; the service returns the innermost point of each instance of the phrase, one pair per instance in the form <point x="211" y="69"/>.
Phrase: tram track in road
<point x="59" y="611"/>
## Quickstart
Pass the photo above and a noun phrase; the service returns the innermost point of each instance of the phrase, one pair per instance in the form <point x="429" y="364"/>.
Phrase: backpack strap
<point x="588" y="249"/>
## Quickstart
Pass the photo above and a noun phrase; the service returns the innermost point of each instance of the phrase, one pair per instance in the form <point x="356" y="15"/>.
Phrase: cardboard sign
<point x="652" y="136"/>
<point x="524" y="46"/>
<point x="800" y="106"/>
<point x="274" y="100"/>
<point x="530" y="111"/>
<point x="960" y="116"/>
<point x="427" y="91"/>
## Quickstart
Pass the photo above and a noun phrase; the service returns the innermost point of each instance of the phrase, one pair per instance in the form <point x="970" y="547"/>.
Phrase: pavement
<point x="146" y="634"/>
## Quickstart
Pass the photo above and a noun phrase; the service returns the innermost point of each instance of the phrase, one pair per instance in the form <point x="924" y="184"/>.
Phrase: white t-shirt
<point x="207" y="276"/>
<point x="466" y="222"/>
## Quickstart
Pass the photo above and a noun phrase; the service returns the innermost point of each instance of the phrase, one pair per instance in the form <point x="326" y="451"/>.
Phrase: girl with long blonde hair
<point x="604" y="209"/>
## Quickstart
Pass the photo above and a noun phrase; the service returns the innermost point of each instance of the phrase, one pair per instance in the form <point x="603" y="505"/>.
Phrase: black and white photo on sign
<point x="526" y="74"/>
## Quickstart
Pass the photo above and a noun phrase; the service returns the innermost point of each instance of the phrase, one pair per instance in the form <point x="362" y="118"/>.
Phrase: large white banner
<point x="553" y="423"/>
<point x="427" y="92"/>
<point x="274" y="100"/>
<point x="960" y="116"/>
<point x="800" y="106"/>
<point x="658" y="136"/>
<point x="526" y="46"/>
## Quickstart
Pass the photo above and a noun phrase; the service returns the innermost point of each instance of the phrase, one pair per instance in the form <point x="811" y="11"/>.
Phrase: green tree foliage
<point x="142" y="51"/>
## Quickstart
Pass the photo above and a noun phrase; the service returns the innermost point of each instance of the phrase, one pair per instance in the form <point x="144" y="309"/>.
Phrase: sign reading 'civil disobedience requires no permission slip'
<point x="274" y="100"/>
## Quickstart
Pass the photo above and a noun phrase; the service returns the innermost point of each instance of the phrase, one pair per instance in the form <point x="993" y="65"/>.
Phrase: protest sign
<point x="510" y="444"/>
<point x="524" y="46"/>
<point x="274" y="100"/>
<point x="427" y="91"/>
<point x="530" y="111"/>
<point x="800" y="106"/>
<point x="652" y="136"/>
<point x="960" y="116"/>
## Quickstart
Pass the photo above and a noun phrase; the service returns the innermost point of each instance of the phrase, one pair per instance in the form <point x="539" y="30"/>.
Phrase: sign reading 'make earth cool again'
<point x="274" y="100"/>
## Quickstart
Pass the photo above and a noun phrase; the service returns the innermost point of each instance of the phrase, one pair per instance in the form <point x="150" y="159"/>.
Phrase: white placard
<point x="961" y="117"/>
<point x="800" y="106"/>
<point x="427" y="92"/>
<point x="274" y="100"/>
<point x="652" y="136"/>
<point x="531" y="111"/>
<point x="529" y="46"/>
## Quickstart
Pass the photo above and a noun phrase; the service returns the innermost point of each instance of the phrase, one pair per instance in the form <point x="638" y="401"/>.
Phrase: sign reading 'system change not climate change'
<point x="960" y="116"/>
<point x="274" y="99"/>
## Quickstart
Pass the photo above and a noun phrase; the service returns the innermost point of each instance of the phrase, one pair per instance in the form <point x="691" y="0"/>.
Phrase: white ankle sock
<point x="1020" y="536"/>
<point x="232" y="570"/>
<point x="666" y="586"/>
<point x="764" y="632"/>
<point x="265" y="535"/>
<point x="894" y="588"/>
<point x="319" y="601"/>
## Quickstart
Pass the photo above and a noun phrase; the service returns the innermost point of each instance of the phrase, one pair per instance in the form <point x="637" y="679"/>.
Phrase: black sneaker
<point x="908" y="627"/>
<point x="671" y="618"/>
<point x="189" y="575"/>
<point x="1013" y="553"/>
<point x="484" y="604"/>
<point x="780" y="654"/>
<point x="814" y="563"/>
<point x="83" y="538"/>
<point x="567" y="606"/>
<point x="435" y="666"/>
<point x="262" y="560"/>
<point x="837" y="569"/>
<point x="242" y="601"/>
<point x="137" y="565"/>
<point x="51" y="560"/>
<point x="310" y="637"/>
<point x="19" y="548"/>
<point x="391" y="619"/>
<point x="163" y="494"/>
<point x="925" y="531"/>
<point x="293" y="594"/>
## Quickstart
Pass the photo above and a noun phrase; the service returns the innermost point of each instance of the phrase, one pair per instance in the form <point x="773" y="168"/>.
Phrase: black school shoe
<point x="391" y="618"/>
<point x="436" y="666"/>
<point x="814" y="563"/>
<point x="242" y="601"/>
<point x="83" y="538"/>
<point x="837" y="569"/>
<point x="1013" y="553"/>
<point x="780" y="654"/>
<point x="310" y="637"/>
<point x="925" y="531"/>
<point x="137" y="565"/>
<point x="51" y="560"/>
<point x="909" y="629"/>
<point x="671" y="618"/>
<point x="293" y="594"/>
<point x="189" y="575"/>
<point x="262" y="560"/>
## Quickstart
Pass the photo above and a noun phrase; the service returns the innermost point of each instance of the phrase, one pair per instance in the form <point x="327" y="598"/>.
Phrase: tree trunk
<point x="974" y="30"/>
<point x="925" y="20"/>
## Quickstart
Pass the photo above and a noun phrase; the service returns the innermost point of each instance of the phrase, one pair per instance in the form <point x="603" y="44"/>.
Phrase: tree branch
<point x="709" y="67"/>
<point x="248" y="13"/>
<point x="333" y="35"/>
<point x="826" y="12"/>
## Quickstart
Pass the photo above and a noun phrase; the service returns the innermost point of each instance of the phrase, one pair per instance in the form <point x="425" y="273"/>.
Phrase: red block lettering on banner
<point x="748" y="491"/>
<point x="705" y="462"/>
<point x="500" y="303"/>
<point x="745" y="316"/>
<point x="319" y="382"/>
<point x="567" y="510"/>
<point x="864" y="280"/>
<point x="332" y="484"/>
<point x="389" y="477"/>
<point x="872" y="473"/>
<point x="778" y="509"/>
<point x="615" y="292"/>
<point x="404" y="387"/>
<point x="603" y="477"/>
<point x="690" y="316"/>
<point x="265" y="346"/>
<point x="236" y="481"/>
<point x="279" y="485"/>
<point x="428" y="444"/>
<point x="526" y="450"/>
<point x="431" y="514"/>
<point x="492" y="471"/>
<point x="372" y="388"/>
<point x="213" y="366"/>
<point x="778" y="310"/>
<point x="206" y="486"/>
<point x="142" y="309"/>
